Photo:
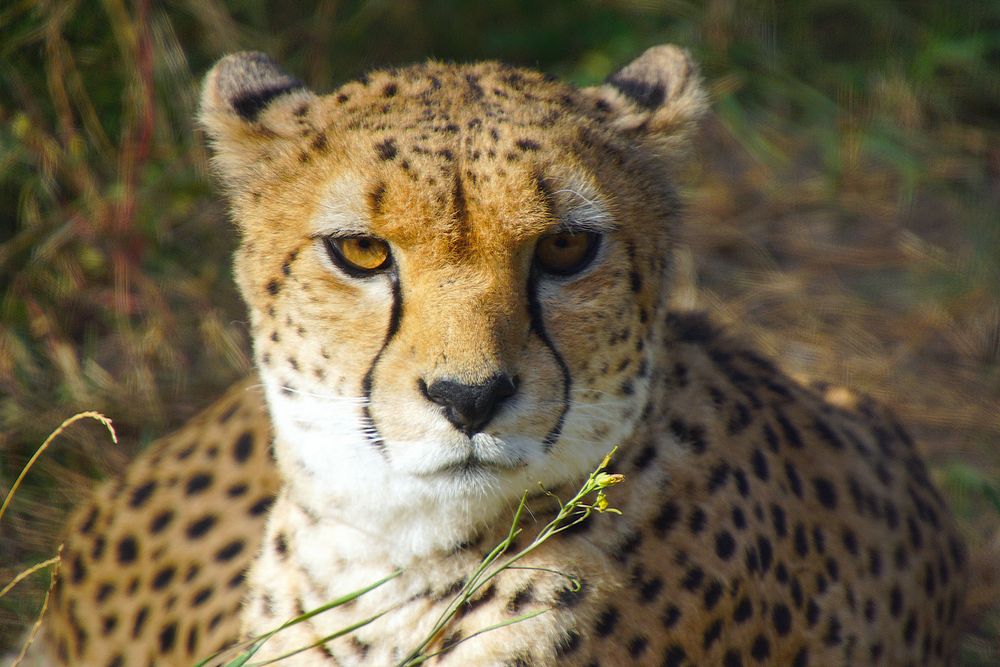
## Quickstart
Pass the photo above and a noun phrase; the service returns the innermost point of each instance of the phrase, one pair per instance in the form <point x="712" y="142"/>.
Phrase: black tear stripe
<point x="395" y="315"/>
<point x="249" y="105"/>
<point x="538" y="327"/>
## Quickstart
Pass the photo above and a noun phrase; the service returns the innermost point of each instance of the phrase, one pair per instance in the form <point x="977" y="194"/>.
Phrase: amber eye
<point x="359" y="255"/>
<point x="565" y="253"/>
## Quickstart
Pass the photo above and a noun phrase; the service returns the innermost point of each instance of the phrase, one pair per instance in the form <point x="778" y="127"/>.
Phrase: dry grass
<point x="843" y="213"/>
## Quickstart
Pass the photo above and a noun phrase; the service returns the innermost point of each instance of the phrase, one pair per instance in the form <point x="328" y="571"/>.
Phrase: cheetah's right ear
<point x="658" y="96"/>
<point x="238" y="96"/>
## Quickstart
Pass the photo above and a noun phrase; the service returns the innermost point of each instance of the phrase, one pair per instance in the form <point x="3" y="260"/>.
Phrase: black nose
<point x="470" y="406"/>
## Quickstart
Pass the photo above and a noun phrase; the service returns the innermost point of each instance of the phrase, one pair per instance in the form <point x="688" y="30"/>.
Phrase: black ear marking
<point x="250" y="105"/>
<point x="249" y="81"/>
<point x="643" y="93"/>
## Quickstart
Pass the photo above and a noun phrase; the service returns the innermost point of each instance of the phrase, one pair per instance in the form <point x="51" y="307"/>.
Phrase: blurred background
<point x="843" y="212"/>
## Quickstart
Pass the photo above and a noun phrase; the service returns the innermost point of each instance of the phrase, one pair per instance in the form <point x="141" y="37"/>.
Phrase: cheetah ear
<point x="238" y="99"/>
<point x="659" y="94"/>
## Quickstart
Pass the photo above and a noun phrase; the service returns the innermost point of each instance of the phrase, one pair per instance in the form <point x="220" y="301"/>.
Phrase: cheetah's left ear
<point x="658" y="94"/>
<point x="242" y="103"/>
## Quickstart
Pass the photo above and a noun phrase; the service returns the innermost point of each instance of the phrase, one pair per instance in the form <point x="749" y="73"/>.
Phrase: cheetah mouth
<point x="485" y="456"/>
<point x="474" y="466"/>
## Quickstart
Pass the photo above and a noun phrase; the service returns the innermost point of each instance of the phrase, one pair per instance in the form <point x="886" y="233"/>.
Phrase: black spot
<point x="675" y="656"/>
<point x="711" y="634"/>
<point x="793" y="479"/>
<point x="644" y="457"/>
<point x="696" y="520"/>
<point x="895" y="602"/>
<point x="637" y="645"/>
<point x="386" y="149"/>
<point x="651" y="589"/>
<point x="261" y="506"/>
<point x="568" y="597"/>
<point x="88" y="523"/>
<point x="717" y="476"/>
<point x="167" y="637"/>
<point x="198" y="528"/>
<point x="801" y="658"/>
<point x="104" y="591"/>
<point x="237" y="490"/>
<point x="628" y="545"/>
<point x="606" y="622"/>
<point x="818" y="540"/>
<point x="243" y="447"/>
<point x="635" y="281"/>
<point x="568" y="644"/>
<point x="281" y="544"/>
<point x="666" y="519"/>
<point x="850" y="541"/>
<point x="825" y="492"/>
<point x="832" y="637"/>
<point x="761" y="648"/>
<point x="390" y="90"/>
<point x="521" y="598"/>
<point x="759" y="463"/>
<point x="743" y="611"/>
<point x="725" y="545"/>
<point x="198" y="483"/>
<point x="732" y="658"/>
<point x="827" y="434"/>
<point x="79" y="570"/>
<point x="141" y="494"/>
<point x="778" y="519"/>
<point x="875" y="651"/>
<point x="782" y="619"/>
<point x="693" y="578"/>
<point x="741" y="482"/>
<point x="201" y="596"/>
<point x="128" y="550"/>
<point x="812" y="613"/>
<point x="237" y="580"/>
<point x="670" y="616"/>
<point x="229" y="551"/>
<point x="273" y="287"/>
<point x="712" y="595"/>
<point x="192" y="639"/>
<point x="376" y="196"/>
<point x="527" y="145"/>
<point x="139" y="622"/>
<point x="163" y="577"/>
<point x="801" y="540"/>
<point x="788" y="429"/>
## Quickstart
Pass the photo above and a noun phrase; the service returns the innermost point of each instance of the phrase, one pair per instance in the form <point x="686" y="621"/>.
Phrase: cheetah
<point x="459" y="289"/>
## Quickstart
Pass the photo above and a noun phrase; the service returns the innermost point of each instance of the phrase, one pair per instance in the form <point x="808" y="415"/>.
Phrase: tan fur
<point x="763" y="522"/>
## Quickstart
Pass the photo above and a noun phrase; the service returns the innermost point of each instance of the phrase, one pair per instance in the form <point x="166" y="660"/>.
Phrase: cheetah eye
<point x="566" y="253"/>
<point x="359" y="256"/>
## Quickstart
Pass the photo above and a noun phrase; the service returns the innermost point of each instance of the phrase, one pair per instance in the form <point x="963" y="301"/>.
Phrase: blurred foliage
<point x="843" y="212"/>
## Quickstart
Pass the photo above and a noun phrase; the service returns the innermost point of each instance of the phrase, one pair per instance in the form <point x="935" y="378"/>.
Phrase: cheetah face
<point x="454" y="274"/>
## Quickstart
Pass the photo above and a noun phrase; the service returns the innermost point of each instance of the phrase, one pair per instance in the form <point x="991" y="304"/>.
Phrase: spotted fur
<point x="764" y="522"/>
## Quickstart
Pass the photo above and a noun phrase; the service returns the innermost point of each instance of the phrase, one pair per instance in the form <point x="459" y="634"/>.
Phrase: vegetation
<point x="843" y="213"/>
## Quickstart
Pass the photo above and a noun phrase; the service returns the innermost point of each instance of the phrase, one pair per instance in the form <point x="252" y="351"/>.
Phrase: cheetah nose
<point x="469" y="407"/>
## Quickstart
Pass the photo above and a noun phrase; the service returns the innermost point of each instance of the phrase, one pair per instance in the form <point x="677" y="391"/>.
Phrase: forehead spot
<point x="386" y="149"/>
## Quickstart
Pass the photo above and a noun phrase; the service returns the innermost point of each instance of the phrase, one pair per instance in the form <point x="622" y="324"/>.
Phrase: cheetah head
<point x="455" y="274"/>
